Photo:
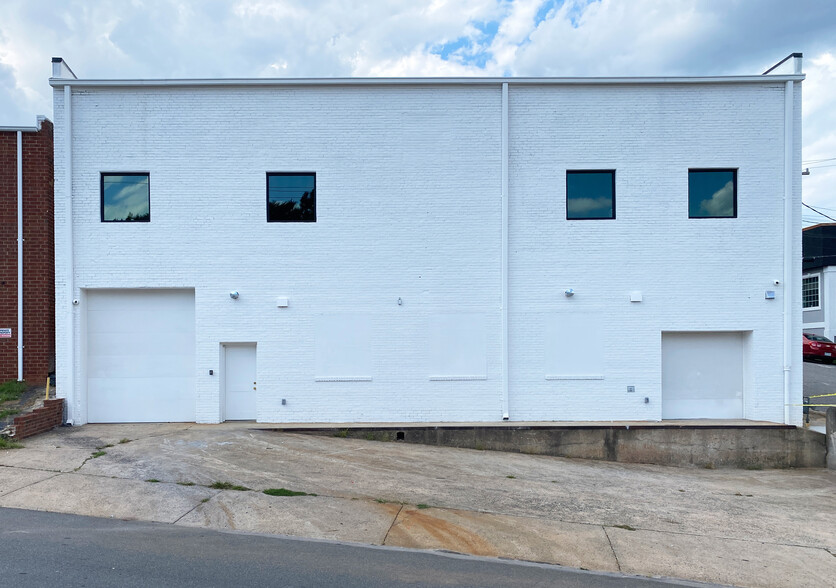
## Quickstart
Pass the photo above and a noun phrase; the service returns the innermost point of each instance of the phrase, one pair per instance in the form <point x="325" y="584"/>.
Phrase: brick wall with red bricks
<point x="38" y="255"/>
<point x="41" y="419"/>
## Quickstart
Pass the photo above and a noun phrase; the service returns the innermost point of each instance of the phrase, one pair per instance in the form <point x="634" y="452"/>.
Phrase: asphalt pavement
<point x="820" y="378"/>
<point x="48" y="549"/>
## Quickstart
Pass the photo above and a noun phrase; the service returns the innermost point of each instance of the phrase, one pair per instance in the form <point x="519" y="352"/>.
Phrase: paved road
<point x="820" y="378"/>
<point x="42" y="549"/>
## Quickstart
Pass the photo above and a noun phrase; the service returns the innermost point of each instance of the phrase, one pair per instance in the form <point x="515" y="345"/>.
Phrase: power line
<point x="819" y="160"/>
<point x="818" y="211"/>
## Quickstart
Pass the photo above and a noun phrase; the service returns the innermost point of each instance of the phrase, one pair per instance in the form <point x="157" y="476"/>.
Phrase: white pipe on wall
<point x="788" y="241"/>
<point x="66" y="303"/>
<point x="20" y="256"/>
<point x="505" y="400"/>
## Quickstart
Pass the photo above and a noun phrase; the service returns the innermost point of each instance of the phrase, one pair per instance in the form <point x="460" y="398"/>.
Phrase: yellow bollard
<point x="47" y="388"/>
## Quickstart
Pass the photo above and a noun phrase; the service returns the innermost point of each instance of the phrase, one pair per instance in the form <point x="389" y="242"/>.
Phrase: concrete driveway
<point x="750" y="528"/>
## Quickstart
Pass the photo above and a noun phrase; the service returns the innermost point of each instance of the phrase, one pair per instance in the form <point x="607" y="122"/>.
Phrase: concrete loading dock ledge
<point x="680" y="443"/>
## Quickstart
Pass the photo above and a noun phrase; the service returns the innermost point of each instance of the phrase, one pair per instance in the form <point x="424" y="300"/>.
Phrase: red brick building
<point x="34" y="218"/>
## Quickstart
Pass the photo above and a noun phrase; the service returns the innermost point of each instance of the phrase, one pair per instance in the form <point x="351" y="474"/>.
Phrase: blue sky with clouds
<point x="334" y="38"/>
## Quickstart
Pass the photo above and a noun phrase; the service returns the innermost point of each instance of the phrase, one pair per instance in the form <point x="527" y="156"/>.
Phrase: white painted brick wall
<point x="408" y="205"/>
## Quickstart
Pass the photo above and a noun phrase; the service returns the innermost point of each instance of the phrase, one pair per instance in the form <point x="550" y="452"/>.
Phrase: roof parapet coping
<point x="495" y="81"/>
<point x="61" y="70"/>
<point x="38" y="122"/>
<point x="796" y="63"/>
<point x="62" y="75"/>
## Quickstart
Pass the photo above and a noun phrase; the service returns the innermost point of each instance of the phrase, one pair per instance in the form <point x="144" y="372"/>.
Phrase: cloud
<point x="819" y="134"/>
<point x="585" y="206"/>
<point x="721" y="202"/>
<point x="328" y="38"/>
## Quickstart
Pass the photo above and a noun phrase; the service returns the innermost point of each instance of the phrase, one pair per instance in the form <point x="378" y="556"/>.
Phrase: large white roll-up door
<point x="140" y="356"/>
<point x="703" y="375"/>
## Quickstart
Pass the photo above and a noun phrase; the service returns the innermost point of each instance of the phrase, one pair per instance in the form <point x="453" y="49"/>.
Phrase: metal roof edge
<point x="761" y="79"/>
<point x="27" y="129"/>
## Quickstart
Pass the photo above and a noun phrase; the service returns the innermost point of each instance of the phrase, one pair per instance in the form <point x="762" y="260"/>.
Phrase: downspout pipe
<point x="20" y="256"/>
<point x="505" y="377"/>
<point x="69" y="295"/>
<point x="789" y="286"/>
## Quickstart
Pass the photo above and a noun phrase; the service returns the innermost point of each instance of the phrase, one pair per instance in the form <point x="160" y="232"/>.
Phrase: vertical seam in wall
<point x="504" y="270"/>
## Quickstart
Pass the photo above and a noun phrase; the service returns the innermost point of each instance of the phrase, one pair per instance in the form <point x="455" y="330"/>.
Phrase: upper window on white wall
<point x="712" y="193"/>
<point x="810" y="291"/>
<point x="590" y="194"/>
<point x="291" y="197"/>
<point x="126" y="197"/>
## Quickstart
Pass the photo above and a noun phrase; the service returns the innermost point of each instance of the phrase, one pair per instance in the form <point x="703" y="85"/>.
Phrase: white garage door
<point x="140" y="356"/>
<point x="703" y="375"/>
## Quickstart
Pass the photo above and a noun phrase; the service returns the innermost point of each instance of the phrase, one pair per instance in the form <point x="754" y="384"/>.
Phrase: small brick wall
<point x="40" y="420"/>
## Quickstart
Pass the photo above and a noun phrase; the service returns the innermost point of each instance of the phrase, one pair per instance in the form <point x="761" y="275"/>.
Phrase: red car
<point x="818" y="347"/>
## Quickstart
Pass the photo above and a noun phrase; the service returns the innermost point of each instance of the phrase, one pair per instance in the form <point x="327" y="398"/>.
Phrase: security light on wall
<point x="234" y="294"/>
<point x="569" y="293"/>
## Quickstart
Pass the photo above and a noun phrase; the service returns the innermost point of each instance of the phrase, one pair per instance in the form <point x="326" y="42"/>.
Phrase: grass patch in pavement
<point x="285" y="492"/>
<point x="8" y="412"/>
<point x="153" y="480"/>
<point x="625" y="527"/>
<point x="124" y="440"/>
<point x="422" y="506"/>
<point x="11" y="390"/>
<point x="228" y="486"/>
<point x="98" y="454"/>
<point x="9" y="444"/>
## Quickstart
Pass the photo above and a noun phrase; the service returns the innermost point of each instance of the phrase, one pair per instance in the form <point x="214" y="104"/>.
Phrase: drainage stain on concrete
<point x="419" y="528"/>
<point x="487" y="534"/>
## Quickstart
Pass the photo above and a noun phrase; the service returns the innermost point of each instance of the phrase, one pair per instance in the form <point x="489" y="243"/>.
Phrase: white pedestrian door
<point x="240" y="383"/>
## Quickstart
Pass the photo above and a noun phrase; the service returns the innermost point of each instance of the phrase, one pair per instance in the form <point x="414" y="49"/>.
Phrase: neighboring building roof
<point x="818" y="246"/>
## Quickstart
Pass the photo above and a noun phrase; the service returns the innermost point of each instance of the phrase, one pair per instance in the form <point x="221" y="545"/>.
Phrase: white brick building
<point x="474" y="249"/>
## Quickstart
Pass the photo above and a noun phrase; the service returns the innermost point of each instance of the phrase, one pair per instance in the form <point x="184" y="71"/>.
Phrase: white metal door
<point x="140" y="356"/>
<point x="239" y="381"/>
<point x="703" y="375"/>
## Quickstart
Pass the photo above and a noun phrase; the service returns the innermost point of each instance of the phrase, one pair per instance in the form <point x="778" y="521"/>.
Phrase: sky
<point x="119" y="39"/>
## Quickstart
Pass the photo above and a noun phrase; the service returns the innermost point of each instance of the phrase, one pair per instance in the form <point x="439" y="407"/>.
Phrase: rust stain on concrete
<point x="420" y="529"/>
<point x="230" y="518"/>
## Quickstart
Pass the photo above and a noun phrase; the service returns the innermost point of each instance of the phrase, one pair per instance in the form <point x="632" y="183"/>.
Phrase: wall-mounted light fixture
<point x="569" y="293"/>
<point x="400" y="302"/>
<point x="234" y="294"/>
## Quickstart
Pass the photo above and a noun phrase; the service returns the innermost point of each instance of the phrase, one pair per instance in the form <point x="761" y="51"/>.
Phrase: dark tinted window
<point x="712" y="193"/>
<point x="291" y="197"/>
<point x="126" y="197"/>
<point x="590" y="194"/>
<point x="818" y="338"/>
